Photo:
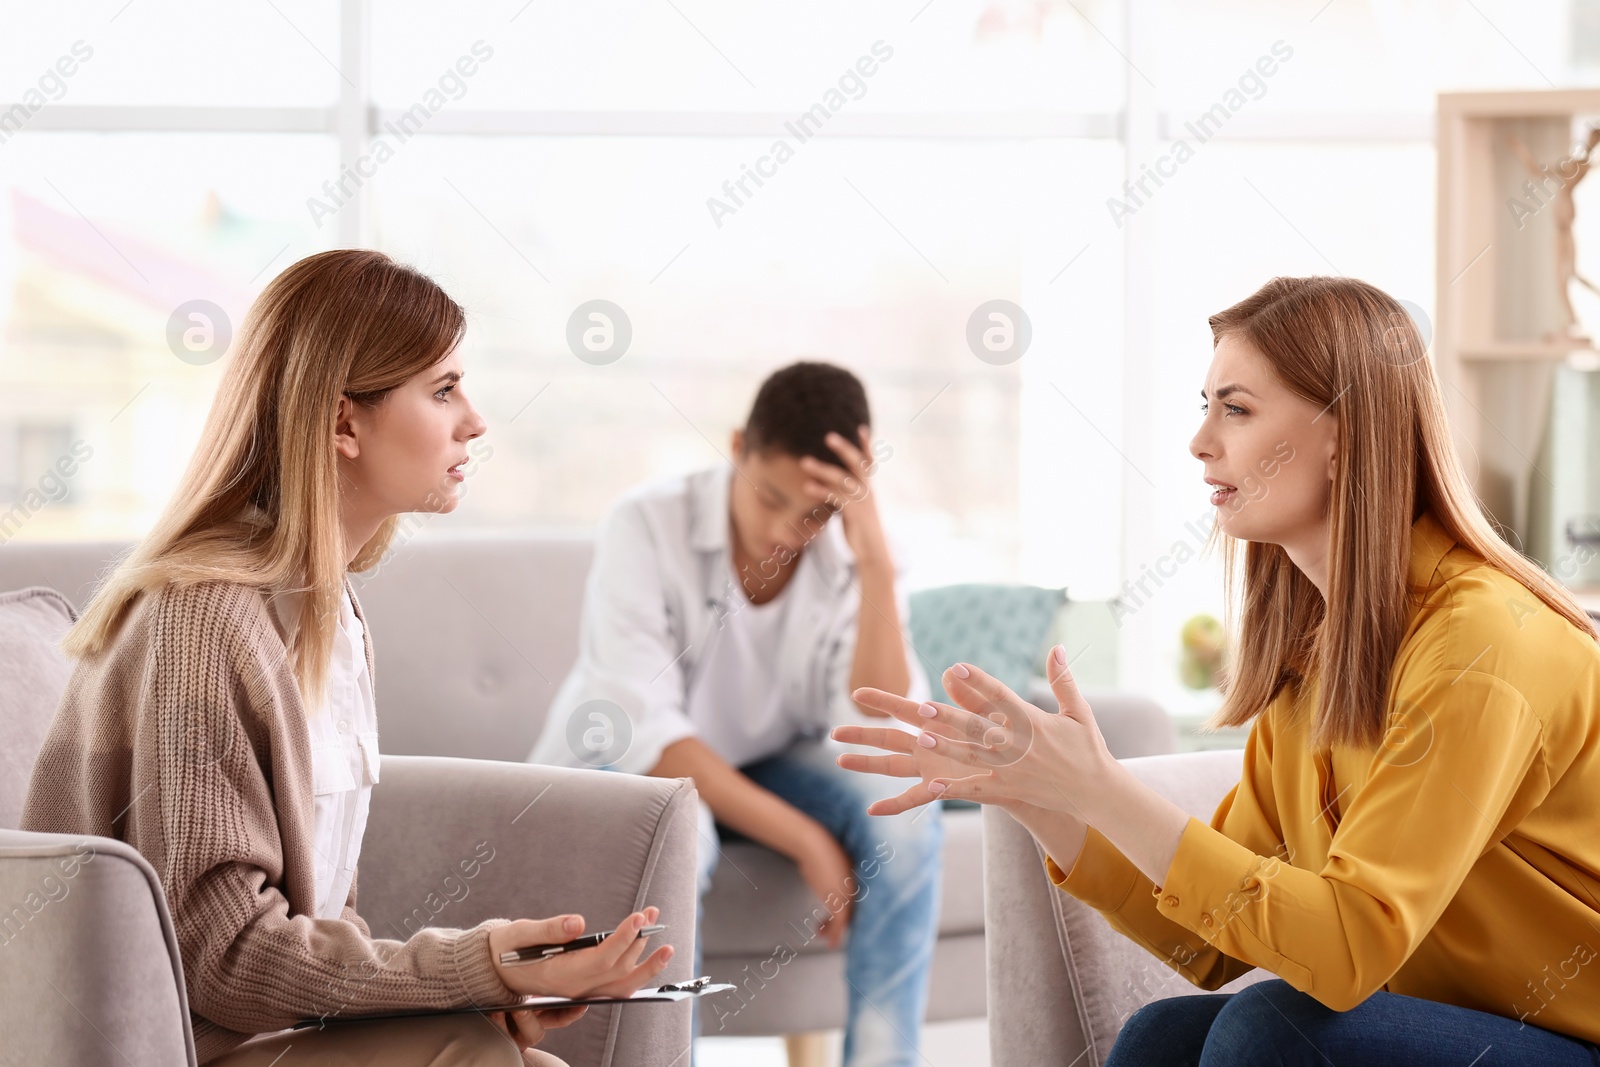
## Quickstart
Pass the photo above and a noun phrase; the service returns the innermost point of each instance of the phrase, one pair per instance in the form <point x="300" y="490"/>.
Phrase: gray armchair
<point x="89" y="969"/>
<point x="88" y="961"/>
<point x="562" y="840"/>
<point x="1061" y="980"/>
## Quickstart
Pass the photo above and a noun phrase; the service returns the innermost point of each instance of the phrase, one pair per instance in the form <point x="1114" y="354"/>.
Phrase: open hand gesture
<point x="995" y="748"/>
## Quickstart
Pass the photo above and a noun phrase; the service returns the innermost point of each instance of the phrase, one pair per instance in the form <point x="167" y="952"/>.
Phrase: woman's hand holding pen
<point x="611" y="968"/>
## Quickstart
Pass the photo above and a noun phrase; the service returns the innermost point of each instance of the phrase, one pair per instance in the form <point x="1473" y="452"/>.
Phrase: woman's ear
<point x="1330" y="444"/>
<point x="344" y="428"/>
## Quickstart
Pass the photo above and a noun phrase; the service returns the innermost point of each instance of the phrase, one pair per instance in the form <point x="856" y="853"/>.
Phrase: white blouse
<point x="344" y="758"/>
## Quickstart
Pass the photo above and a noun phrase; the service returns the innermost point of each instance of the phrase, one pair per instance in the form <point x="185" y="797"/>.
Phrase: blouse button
<point x="1171" y="901"/>
<point x="1206" y="919"/>
<point x="344" y="726"/>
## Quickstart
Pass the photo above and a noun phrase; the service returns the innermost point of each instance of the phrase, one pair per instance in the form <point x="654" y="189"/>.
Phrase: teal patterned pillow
<point x="1000" y="628"/>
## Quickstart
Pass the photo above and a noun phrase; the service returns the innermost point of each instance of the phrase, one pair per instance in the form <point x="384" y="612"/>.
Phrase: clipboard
<point x="665" y="993"/>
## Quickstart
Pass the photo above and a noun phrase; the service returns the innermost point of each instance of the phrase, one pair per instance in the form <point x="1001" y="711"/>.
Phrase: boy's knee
<point x="901" y="856"/>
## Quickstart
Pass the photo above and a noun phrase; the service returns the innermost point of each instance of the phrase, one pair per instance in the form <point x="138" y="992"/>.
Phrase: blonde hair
<point x="348" y="321"/>
<point x="1352" y="349"/>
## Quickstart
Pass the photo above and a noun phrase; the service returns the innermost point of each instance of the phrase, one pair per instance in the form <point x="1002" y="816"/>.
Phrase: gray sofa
<point x="1061" y="980"/>
<point x="472" y="637"/>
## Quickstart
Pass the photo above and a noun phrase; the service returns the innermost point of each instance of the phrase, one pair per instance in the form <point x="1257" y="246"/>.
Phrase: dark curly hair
<point x="797" y="406"/>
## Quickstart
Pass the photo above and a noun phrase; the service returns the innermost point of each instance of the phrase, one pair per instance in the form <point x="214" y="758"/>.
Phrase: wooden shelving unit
<point x="1530" y="351"/>
<point x="1497" y="302"/>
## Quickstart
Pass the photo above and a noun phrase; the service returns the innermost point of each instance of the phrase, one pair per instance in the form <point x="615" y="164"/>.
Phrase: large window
<point x="937" y="157"/>
<point x="104" y="239"/>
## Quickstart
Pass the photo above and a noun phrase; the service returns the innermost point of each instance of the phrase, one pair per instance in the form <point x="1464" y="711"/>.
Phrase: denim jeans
<point x="1274" y="1023"/>
<point x="894" y="917"/>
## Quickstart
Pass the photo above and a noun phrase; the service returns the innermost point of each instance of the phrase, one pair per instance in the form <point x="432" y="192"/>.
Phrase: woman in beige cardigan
<point x="207" y="657"/>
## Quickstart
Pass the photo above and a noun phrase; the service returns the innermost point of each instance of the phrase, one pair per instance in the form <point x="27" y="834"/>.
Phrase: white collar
<point x="708" y="530"/>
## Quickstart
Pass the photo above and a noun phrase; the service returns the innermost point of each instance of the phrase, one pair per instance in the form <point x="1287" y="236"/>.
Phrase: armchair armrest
<point x="1061" y="980"/>
<point x="1033" y="1011"/>
<point x="89" y="964"/>
<point x="451" y="842"/>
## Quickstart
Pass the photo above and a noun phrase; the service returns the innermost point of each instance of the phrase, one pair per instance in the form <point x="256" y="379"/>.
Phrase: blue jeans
<point x="1274" y="1023"/>
<point x="894" y="916"/>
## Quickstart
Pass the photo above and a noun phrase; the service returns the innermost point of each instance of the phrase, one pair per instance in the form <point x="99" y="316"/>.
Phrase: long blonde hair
<point x="1352" y="349"/>
<point x="348" y="321"/>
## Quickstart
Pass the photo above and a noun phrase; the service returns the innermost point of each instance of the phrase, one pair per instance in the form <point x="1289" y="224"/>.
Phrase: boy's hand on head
<point x="849" y="492"/>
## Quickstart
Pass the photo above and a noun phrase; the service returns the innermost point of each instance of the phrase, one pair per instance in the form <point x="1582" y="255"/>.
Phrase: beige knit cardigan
<point x="187" y="739"/>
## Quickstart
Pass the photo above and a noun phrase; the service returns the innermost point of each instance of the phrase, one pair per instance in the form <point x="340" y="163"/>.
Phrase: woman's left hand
<point x="527" y="1028"/>
<point x="1013" y="751"/>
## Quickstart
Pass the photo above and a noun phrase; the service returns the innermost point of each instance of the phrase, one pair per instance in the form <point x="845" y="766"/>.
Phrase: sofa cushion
<point x="1001" y="628"/>
<point x="33" y="675"/>
<point x="758" y="900"/>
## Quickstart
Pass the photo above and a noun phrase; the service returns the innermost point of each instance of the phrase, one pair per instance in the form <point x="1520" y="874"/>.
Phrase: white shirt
<point x="653" y="639"/>
<point x="344" y="757"/>
<point x="735" y="708"/>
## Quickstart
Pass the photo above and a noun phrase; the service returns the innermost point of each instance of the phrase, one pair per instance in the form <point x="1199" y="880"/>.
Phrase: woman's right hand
<point x="899" y="756"/>
<point x="609" y="969"/>
<point x="1061" y="833"/>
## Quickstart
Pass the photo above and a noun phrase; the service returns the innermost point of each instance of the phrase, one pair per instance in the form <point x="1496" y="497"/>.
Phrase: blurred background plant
<point x="1204" y="650"/>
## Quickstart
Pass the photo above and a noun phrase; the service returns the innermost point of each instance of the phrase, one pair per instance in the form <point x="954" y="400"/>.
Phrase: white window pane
<point x="871" y="254"/>
<point x="103" y="237"/>
<point x="171" y="52"/>
<point x="718" y="55"/>
<point x="1353" y="55"/>
<point x="1236" y="216"/>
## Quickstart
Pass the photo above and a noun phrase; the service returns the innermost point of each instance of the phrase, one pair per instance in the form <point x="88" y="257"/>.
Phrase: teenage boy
<point x="725" y="623"/>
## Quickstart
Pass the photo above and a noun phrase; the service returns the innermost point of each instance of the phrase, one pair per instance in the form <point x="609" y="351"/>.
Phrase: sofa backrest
<point x="472" y="636"/>
<point x="71" y="568"/>
<point x="33" y="672"/>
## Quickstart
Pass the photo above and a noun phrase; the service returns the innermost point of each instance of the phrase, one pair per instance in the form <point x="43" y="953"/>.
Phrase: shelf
<point x="1517" y="103"/>
<point x="1531" y="351"/>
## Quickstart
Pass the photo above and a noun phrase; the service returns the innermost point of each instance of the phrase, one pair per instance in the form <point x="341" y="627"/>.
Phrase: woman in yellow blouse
<point x="1413" y="848"/>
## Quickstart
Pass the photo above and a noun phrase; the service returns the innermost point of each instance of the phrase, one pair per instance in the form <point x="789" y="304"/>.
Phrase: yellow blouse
<point x="1459" y="862"/>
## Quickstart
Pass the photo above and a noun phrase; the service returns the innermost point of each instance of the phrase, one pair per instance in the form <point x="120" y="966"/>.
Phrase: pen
<point x="535" y="953"/>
